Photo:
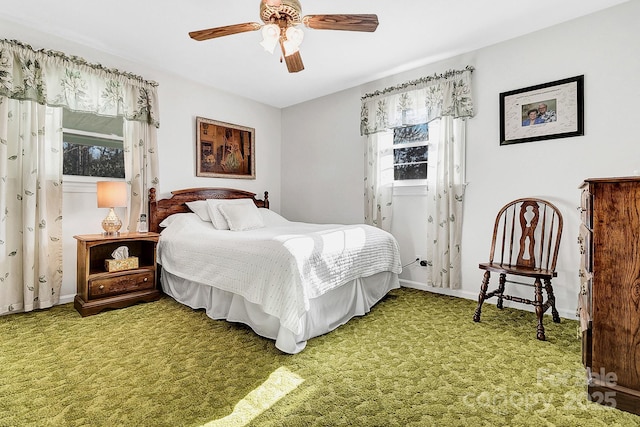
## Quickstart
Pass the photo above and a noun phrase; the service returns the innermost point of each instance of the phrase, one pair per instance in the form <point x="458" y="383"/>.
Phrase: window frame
<point x="82" y="183"/>
<point x="420" y="183"/>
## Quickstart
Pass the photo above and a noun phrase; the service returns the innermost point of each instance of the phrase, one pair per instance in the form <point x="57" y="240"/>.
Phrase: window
<point x="411" y="153"/>
<point x="92" y="145"/>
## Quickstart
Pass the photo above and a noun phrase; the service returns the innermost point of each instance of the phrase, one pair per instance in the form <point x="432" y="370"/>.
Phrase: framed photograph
<point x="224" y="150"/>
<point x="546" y="111"/>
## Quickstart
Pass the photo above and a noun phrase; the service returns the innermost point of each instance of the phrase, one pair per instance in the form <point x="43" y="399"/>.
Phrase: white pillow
<point x="241" y="216"/>
<point x="216" y="217"/>
<point x="171" y="219"/>
<point x="200" y="208"/>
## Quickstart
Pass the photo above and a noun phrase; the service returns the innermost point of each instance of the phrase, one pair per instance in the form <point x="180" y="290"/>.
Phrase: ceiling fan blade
<point x="294" y="62"/>
<point x="365" y="22"/>
<point x="228" y="30"/>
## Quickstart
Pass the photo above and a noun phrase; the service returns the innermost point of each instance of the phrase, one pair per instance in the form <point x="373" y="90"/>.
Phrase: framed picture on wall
<point x="224" y="150"/>
<point x="545" y="111"/>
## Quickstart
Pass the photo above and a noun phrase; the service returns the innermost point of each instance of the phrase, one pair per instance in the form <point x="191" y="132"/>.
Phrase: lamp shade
<point x="112" y="194"/>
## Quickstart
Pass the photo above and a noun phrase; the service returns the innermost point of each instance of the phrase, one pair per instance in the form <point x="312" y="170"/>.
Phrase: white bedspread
<point x="279" y="267"/>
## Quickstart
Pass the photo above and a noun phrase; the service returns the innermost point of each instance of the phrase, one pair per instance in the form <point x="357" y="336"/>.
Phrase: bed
<point x="288" y="281"/>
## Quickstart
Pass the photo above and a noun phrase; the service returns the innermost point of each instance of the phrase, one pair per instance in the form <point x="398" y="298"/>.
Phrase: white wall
<point x="602" y="46"/>
<point x="180" y="102"/>
<point x="323" y="160"/>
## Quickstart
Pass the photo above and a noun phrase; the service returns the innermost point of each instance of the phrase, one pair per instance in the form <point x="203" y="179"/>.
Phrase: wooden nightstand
<point x="99" y="289"/>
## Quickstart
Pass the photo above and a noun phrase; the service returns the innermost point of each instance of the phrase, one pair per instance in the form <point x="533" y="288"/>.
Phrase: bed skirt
<point x="325" y="314"/>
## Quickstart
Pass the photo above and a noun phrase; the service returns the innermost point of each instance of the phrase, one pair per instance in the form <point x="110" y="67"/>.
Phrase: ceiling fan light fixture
<point x="294" y="40"/>
<point x="273" y="3"/>
<point x="270" y="36"/>
<point x="289" y="48"/>
<point x="295" y="35"/>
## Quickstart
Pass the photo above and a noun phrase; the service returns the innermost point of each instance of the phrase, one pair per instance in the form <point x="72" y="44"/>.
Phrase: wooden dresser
<point x="609" y="303"/>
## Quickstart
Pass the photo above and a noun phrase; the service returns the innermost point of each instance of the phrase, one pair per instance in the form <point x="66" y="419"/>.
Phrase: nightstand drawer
<point x="108" y="286"/>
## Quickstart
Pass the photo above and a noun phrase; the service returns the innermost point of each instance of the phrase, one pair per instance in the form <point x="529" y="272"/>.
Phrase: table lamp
<point x="112" y="194"/>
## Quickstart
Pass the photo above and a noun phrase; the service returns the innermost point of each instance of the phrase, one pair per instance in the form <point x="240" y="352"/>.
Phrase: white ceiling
<point x="411" y="33"/>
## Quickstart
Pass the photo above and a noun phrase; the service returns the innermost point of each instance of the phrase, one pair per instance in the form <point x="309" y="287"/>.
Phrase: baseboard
<point x="64" y="299"/>
<point x="461" y="293"/>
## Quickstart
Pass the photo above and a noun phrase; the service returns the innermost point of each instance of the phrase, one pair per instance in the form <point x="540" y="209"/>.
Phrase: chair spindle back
<point x="528" y="232"/>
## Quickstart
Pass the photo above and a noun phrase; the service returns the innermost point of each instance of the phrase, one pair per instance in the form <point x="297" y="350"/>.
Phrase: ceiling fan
<point x="281" y="18"/>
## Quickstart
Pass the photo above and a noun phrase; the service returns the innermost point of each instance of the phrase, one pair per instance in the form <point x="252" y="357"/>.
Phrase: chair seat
<point x="518" y="270"/>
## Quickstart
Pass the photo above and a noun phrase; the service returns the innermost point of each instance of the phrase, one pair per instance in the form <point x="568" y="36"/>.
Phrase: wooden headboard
<point x="160" y="209"/>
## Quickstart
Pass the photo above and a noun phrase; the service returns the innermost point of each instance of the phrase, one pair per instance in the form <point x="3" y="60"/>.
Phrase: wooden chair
<point x="526" y="238"/>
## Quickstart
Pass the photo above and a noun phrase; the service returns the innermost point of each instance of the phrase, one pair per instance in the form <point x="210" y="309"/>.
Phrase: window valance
<point x="55" y="79"/>
<point x="418" y="101"/>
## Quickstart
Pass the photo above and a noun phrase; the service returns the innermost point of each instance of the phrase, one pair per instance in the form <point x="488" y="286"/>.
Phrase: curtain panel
<point x="378" y="180"/>
<point x="445" y="102"/>
<point x="30" y="205"/>
<point x="34" y="86"/>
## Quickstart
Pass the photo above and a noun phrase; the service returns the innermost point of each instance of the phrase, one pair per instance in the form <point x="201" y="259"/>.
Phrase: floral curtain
<point x="444" y="101"/>
<point x="34" y="84"/>
<point x="140" y="167"/>
<point x="379" y="180"/>
<point x="30" y="208"/>
<point x="445" y="195"/>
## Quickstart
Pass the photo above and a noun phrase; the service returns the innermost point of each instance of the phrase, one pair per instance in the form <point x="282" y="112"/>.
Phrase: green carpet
<point x="417" y="359"/>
